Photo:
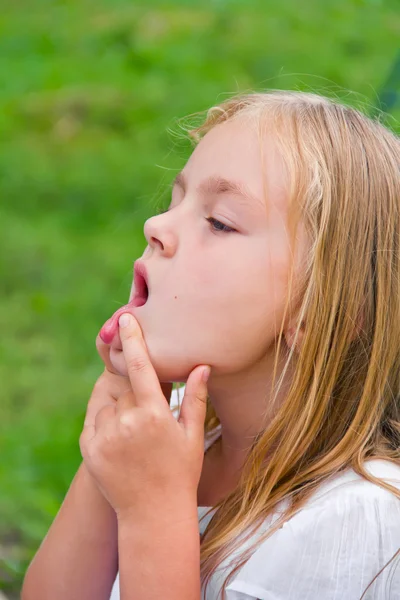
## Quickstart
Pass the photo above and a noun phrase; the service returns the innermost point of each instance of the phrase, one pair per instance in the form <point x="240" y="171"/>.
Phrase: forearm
<point x="78" y="558"/>
<point x="159" y="554"/>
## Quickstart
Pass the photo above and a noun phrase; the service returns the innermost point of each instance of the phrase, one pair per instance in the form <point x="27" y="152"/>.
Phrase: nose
<point x="159" y="234"/>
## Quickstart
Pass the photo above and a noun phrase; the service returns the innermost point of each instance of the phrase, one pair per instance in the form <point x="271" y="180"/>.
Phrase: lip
<point x="141" y="279"/>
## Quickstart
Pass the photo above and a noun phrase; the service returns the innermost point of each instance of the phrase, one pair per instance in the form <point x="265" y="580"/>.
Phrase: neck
<point x="243" y="405"/>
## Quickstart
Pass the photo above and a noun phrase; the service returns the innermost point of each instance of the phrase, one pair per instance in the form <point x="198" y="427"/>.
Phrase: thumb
<point x="194" y="404"/>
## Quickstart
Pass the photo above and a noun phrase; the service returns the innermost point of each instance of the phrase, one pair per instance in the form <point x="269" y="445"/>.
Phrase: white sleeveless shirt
<point x="330" y="550"/>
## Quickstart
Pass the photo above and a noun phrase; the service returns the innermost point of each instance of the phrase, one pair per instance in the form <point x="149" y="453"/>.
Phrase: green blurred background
<point x="88" y="92"/>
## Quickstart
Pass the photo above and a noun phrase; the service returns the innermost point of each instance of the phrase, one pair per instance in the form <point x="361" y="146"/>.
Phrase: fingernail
<point x="206" y="374"/>
<point x="125" y="320"/>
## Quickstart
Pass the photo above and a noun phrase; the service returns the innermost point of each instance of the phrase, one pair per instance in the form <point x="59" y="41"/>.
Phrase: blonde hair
<point x="343" y="405"/>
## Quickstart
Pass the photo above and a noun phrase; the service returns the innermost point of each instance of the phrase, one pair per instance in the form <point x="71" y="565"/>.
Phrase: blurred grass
<point x="87" y="92"/>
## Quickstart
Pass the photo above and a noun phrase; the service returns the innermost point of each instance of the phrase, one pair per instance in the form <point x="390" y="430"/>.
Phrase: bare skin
<point x="216" y="482"/>
<point x="79" y="556"/>
<point x="219" y="297"/>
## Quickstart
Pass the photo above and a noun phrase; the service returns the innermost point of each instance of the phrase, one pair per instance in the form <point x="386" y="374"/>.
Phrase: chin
<point x="165" y="373"/>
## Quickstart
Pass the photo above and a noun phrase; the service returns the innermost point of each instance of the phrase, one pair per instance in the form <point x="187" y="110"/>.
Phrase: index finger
<point x="143" y="378"/>
<point x="103" y="350"/>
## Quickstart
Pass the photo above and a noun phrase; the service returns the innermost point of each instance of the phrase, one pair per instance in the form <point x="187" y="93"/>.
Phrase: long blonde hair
<point x="343" y="405"/>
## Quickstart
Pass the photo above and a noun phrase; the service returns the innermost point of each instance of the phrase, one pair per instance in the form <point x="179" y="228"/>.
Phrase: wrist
<point x="161" y="511"/>
<point x="165" y="538"/>
<point x="90" y="485"/>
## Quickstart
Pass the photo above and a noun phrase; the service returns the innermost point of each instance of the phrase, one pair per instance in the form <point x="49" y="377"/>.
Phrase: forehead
<point x="234" y="150"/>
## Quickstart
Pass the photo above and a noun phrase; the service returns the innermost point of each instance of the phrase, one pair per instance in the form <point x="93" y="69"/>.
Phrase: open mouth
<point x="141" y="291"/>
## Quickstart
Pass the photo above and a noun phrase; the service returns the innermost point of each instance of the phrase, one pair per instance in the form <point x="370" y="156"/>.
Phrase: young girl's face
<point x="217" y="297"/>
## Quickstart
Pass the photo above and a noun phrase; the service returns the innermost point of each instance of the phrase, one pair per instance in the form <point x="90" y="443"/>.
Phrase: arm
<point x="168" y="543"/>
<point x="148" y="466"/>
<point x="78" y="557"/>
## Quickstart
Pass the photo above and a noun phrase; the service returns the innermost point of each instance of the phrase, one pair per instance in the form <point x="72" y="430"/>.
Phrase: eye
<point x="224" y="228"/>
<point x="214" y="223"/>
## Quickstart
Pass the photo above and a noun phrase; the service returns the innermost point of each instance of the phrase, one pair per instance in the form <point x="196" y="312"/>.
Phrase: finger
<point x="142" y="375"/>
<point x="116" y="385"/>
<point x="124" y="403"/>
<point x="106" y="391"/>
<point x="87" y="435"/>
<point x="128" y="422"/>
<point x="99" y="398"/>
<point x="194" y="405"/>
<point x="104" y="352"/>
<point x="106" y="414"/>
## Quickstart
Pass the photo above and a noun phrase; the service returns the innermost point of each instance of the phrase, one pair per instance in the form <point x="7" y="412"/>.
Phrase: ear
<point x="290" y="335"/>
<point x="290" y="332"/>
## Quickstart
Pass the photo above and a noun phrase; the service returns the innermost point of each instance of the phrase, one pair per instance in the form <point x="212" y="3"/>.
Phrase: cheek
<point x="244" y="315"/>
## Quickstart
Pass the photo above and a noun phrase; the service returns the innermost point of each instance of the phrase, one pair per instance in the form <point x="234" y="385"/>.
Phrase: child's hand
<point x="106" y="391"/>
<point x="104" y="352"/>
<point x="139" y="454"/>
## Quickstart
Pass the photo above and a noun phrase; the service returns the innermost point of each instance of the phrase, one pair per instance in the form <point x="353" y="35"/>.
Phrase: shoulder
<point x="334" y="546"/>
<point x="352" y="508"/>
<point x="348" y="491"/>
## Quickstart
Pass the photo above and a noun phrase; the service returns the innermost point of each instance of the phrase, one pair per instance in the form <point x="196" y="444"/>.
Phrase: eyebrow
<point x="218" y="186"/>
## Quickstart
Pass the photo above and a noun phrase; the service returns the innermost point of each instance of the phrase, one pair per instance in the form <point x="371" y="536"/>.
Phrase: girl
<point x="278" y="265"/>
